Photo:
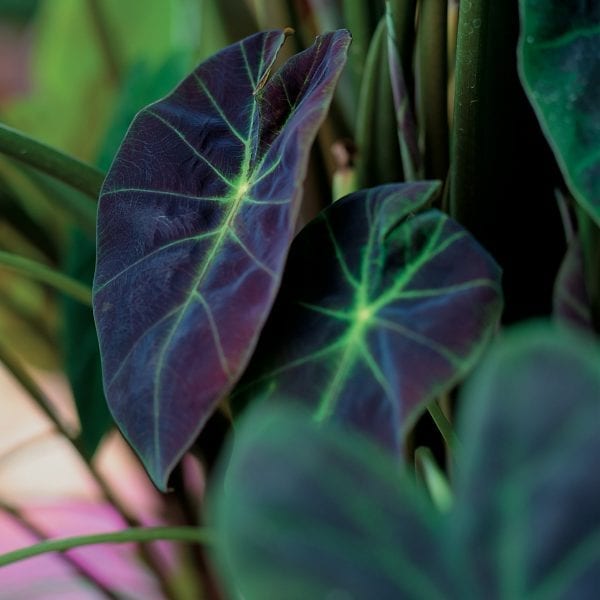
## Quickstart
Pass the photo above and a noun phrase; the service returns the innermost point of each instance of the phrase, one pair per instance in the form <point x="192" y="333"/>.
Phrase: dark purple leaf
<point x="380" y="310"/>
<point x="195" y="220"/>
<point x="571" y="300"/>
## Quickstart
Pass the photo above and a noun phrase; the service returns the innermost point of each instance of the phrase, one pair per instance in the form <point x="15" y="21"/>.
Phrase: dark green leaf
<point x="559" y="53"/>
<point x="379" y="311"/>
<point x="311" y="511"/>
<point x="527" y="517"/>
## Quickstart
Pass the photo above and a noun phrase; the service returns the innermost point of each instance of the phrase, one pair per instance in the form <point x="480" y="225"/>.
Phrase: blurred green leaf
<point x="307" y="510"/>
<point x="559" y="50"/>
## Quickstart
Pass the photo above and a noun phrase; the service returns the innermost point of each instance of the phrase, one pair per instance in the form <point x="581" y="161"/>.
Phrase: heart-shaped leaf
<point x="558" y="61"/>
<point x="379" y="311"/>
<point x="195" y="220"/>
<point x="313" y="511"/>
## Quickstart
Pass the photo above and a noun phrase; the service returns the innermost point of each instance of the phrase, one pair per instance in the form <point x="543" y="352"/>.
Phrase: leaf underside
<point x="380" y="309"/>
<point x="195" y="220"/>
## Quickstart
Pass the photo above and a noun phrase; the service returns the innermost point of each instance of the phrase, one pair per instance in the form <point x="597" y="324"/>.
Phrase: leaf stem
<point x="40" y="272"/>
<point x="434" y="479"/>
<point x="106" y="42"/>
<point x="444" y="426"/>
<point x="136" y="534"/>
<point x="35" y="531"/>
<point x="59" y="165"/>
<point x="13" y="364"/>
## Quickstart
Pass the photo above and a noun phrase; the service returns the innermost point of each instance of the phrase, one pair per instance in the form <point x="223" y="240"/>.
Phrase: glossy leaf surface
<point x="195" y="220"/>
<point x="380" y="309"/>
<point x="558" y="56"/>
<point x="309" y="510"/>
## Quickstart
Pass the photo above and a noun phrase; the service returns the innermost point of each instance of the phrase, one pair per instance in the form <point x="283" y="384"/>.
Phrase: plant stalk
<point x="136" y="534"/>
<point x="34" y="530"/>
<point x="55" y="163"/>
<point x="40" y="272"/>
<point x="13" y="364"/>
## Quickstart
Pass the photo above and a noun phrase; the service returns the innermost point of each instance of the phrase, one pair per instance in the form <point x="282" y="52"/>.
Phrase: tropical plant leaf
<point x="571" y="300"/>
<point x="317" y="512"/>
<point x="558" y="61"/>
<point x="307" y="510"/>
<point x="195" y="220"/>
<point x="527" y="512"/>
<point x="379" y="310"/>
<point x="80" y="342"/>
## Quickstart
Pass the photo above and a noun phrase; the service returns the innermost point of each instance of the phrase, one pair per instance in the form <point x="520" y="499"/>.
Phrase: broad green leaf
<point x="307" y="510"/>
<point x="380" y="310"/>
<point x="527" y="516"/>
<point x="195" y="220"/>
<point x="316" y="512"/>
<point x="559" y="50"/>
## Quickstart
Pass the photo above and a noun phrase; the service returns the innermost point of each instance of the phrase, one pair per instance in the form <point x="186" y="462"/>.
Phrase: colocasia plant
<point x="325" y="352"/>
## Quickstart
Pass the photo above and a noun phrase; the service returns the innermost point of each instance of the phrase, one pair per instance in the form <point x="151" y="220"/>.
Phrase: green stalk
<point x="106" y="41"/>
<point x="34" y="530"/>
<point x="444" y="426"/>
<point x="589" y="234"/>
<point x="433" y="86"/>
<point x="40" y="272"/>
<point x="14" y="366"/>
<point x="53" y="162"/>
<point x="135" y="534"/>
<point x="434" y="479"/>
<point x="469" y="117"/>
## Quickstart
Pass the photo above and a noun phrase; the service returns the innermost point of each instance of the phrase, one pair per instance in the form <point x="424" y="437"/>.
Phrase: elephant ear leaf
<point x="558" y="62"/>
<point x="315" y="511"/>
<point x="195" y="220"/>
<point x="382" y="308"/>
<point x="527" y="514"/>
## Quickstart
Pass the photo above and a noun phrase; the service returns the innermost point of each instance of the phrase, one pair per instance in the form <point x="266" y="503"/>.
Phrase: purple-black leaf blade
<point x="527" y="516"/>
<point x="195" y="220"/>
<point x="380" y="310"/>
<point x="304" y="510"/>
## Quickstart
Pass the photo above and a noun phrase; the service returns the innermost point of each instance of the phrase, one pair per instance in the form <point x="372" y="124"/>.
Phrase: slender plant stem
<point x="434" y="479"/>
<point x="13" y="364"/>
<point x="136" y="534"/>
<point x="55" y="163"/>
<point x="433" y="84"/>
<point x="40" y="272"/>
<point x="107" y="43"/>
<point x="34" y="530"/>
<point x="444" y="426"/>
